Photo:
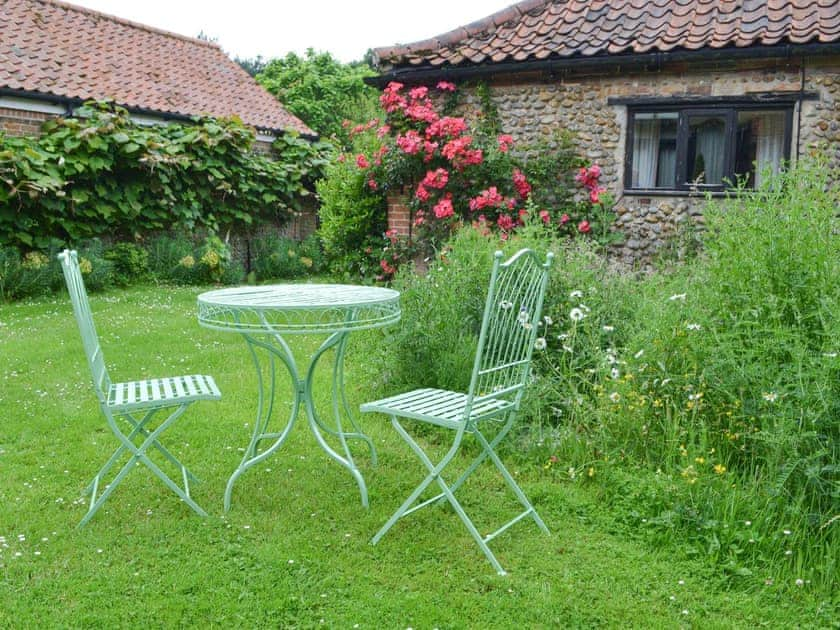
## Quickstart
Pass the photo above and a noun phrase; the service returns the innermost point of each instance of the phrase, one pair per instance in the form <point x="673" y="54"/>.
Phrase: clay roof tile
<point x="73" y="52"/>
<point x="543" y="28"/>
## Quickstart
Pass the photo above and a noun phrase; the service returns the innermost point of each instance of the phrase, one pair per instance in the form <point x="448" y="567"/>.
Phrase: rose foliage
<point x="453" y="172"/>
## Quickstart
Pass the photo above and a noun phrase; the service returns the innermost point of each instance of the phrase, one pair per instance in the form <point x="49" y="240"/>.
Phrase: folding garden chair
<point x="134" y="402"/>
<point x="500" y="374"/>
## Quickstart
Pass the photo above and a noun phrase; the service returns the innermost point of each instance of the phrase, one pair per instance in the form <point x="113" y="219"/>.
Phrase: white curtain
<point x="645" y="153"/>
<point x="710" y="144"/>
<point x="667" y="167"/>
<point x="770" y="143"/>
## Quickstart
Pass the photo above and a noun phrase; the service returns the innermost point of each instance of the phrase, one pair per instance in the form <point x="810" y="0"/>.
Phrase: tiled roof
<point x="59" y="49"/>
<point x="543" y="29"/>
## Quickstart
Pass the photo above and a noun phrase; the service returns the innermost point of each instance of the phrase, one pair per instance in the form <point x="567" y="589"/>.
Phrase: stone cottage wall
<point x="532" y="108"/>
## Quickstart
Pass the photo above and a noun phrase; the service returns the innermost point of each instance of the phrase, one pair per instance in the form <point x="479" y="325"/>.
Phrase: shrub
<point x="131" y="262"/>
<point x="724" y="377"/>
<point x="23" y="277"/>
<point x="281" y="257"/>
<point x="97" y="271"/>
<point x="100" y="174"/>
<point x="453" y="171"/>
<point x="352" y="222"/>
<point x="181" y="261"/>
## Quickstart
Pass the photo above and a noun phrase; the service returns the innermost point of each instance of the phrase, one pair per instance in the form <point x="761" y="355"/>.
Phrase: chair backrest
<point x="509" y="327"/>
<point x="81" y="309"/>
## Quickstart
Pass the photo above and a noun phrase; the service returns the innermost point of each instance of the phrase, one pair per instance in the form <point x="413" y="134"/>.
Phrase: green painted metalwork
<point x="500" y="374"/>
<point x="263" y="315"/>
<point x="130" y="407"/>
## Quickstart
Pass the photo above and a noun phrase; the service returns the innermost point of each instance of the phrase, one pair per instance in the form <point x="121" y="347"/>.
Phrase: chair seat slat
<point x="191" y="388"/>
<point x="179" y="386"/>
<point x="156" y="394"/>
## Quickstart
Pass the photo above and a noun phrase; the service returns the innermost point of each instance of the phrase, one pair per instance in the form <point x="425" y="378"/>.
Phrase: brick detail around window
<point x="399" y="214"/>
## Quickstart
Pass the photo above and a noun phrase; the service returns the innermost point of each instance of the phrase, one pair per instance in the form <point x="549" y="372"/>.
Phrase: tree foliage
<point x="321" y="91"/>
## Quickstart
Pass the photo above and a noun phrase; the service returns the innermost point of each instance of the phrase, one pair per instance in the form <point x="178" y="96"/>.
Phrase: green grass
<point x="294" y="549"/>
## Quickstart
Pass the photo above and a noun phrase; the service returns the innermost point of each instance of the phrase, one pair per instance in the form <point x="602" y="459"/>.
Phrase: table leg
<point x="260" y="433"/>
<point x="338" y="341"/>
<point x="278" y="350"/>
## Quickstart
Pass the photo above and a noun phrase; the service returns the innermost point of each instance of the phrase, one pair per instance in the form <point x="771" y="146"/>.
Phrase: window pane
<point x="654" y="150"/>
<point x="706" y="149"/>
<point x="759" y="145"/>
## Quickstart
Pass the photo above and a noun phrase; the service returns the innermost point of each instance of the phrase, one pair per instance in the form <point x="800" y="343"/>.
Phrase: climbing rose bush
<point x="451" y="174"/>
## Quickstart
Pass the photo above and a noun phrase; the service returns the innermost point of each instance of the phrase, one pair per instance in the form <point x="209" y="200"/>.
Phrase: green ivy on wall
<point x="99" y="173"/>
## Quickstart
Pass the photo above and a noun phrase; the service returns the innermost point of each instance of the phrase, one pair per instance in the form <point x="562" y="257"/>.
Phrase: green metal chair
<point x="134" y="402"/>
<point x="500" y="374"/>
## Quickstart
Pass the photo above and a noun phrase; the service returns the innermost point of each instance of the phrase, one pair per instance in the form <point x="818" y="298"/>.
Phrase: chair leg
<point x="482" y="456"/>
<point x="456" y="505"/>
<point x="139" y="455"/>
<point x="434" y="475"/>
<point x="158" y="446"/>
<point x="404" y="508"/>
<point x="138" y="427"/>
<point x="509" y="479"/>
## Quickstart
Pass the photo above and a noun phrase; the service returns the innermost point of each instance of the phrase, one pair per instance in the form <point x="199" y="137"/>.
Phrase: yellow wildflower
<point x="85" y="266"/>
<point x="719" y="469"/>
<point x="34" y="260"/>
<point x="211" y="258"/>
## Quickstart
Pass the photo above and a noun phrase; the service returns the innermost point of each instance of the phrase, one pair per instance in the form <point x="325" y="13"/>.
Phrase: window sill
<point x="662" y="192"/>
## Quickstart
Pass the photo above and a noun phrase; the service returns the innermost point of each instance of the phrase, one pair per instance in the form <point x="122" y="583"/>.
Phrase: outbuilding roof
<point x="54" y="49"/>
<point x="536" y="30"/>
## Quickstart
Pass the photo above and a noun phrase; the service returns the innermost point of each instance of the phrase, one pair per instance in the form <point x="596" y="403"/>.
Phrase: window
<point x="672" y="148"/>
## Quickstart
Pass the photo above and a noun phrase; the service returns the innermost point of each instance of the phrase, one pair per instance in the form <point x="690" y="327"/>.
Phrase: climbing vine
<point x="99" y="173"/>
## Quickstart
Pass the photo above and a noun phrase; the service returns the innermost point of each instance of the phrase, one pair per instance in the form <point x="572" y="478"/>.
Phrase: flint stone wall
<point x="532" y="108"/>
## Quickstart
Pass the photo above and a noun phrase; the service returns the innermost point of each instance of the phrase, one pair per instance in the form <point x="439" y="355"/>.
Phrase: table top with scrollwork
<point x="298" y="308"/>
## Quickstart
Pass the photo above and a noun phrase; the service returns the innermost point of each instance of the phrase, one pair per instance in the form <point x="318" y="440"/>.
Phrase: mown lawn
<point x="294" y="549"/>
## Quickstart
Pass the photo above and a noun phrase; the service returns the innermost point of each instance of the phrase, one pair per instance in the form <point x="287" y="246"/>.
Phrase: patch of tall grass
<point x="704" y="400"/>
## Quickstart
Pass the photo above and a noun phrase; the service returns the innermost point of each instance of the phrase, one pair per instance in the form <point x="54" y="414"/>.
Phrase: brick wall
<point x="399" y="214"/>
<point x="16" y="122"/>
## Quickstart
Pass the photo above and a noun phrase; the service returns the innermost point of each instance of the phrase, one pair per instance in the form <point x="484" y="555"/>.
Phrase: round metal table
<point x="263" y="315"/>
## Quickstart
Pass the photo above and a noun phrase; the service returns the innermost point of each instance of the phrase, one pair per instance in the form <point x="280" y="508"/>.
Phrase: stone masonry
<point x="533" y="107"/>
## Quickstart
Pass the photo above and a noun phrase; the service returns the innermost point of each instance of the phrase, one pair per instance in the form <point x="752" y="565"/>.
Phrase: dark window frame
<point x="685" y="109"/>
